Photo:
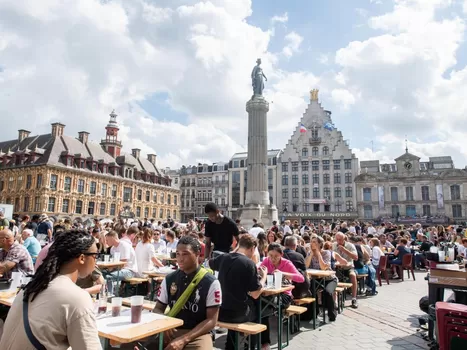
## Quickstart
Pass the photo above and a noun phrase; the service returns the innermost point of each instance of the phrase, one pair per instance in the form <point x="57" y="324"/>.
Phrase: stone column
<point x="257" y="163"/>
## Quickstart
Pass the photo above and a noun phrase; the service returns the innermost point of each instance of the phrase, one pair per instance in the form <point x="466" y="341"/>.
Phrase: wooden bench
<point x="361" y="282"/>
<point x="344" y="285"/>
<point x="247" y="329"/>
<point x="304" y="301"/>
<point x="134" y="281"/>
<point x="147" y="304"/>
<point x="340" y="298"/>
<point x="293" y="312"/>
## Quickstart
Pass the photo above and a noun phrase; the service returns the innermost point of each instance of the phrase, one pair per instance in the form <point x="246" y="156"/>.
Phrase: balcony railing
<point x="315" y="140"/>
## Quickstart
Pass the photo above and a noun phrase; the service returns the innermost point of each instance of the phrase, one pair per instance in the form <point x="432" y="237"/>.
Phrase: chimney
<point x="152" y="158"/>
<point x="136" y="152"/>
<point x="57" y="129"/>
<point x="83" y="136"/>
<point x="22" y="134"/>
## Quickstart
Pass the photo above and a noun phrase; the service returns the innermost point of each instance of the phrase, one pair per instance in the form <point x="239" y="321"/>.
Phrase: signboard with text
<point x="312" y="215"/>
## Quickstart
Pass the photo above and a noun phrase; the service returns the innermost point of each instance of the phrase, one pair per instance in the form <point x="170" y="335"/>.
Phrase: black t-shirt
<point x="238" y="276"/>
<point x="296" y="258"/>
<point x="221" y="234"/>
<point x="344" y="230"/>
<point x="425" y="246"/>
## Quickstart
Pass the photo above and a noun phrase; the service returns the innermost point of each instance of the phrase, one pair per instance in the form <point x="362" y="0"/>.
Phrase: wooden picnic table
<point x="7" y="297"/>
<point x="320" y="273"/>
<point x="112" y="266"/>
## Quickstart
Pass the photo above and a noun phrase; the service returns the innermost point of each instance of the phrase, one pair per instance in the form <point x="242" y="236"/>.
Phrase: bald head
<point x="6" y="239"/>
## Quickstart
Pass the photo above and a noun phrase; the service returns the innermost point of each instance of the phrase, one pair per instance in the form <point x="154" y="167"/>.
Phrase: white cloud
<point x="343" y="97"/>
<point x="323" y="58"/>
<point x="464" y="6"/>
<point x="293" y="42"/>
<point x="280" y="18"/>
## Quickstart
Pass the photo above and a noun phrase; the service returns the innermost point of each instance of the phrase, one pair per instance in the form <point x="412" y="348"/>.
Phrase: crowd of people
<point x="61" y="259"/>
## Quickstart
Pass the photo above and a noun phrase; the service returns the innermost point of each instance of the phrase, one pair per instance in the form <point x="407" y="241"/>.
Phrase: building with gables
<point x="412" y="191"/>
<point x="316" y="170"/>
<point x="65" y="176"/>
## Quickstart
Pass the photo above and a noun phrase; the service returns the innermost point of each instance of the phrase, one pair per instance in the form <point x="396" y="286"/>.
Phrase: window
<point x="304" y="165"/>
<point x="112" y="209"/>
<point x="315" y="179"/>
<point x="304" y="152"/>
<point x="455" y="192"/>
<point x="325" y="164"/>
<point x="305" y="193"/>
<point x="175" y="200"/>
<point x="174" y="215"/>
<point x="67" y="185"/>
<point x="146" y="212"/>
<point x="80" y="186"/>
<point x="162" y="198"/>
<point x="426" y="210"/>
<point x="114" y="191"/>
<point x="10" y="183"/>
<point x="65" y="205"/>
<point x="17" y="202"/>
<point x="285" y="193"/>
<point x="37" y="204"/>
<point x="285" y="167"/>
<point x="154" y="197"/>
<point x="53" y="182"/>
<point x="285" y="179"/>
<point x="104" y="190"/>
<point x="327" y="208"/>
<point x="315" y="165"/>
<point x="316" y="207"/>
<point x="294" y="179"/>
<point x="168" y="213"/>
<point x="425" y="193"/>
<point x="327" y="193"/>
<point x="315" y="192"/>
<point x="92" y="187"/>
<point x="338" y="206"/>
<point x="326" y="179"/>
<point x="410" y="210"/>
<point x="348" y="178"/>
<point x="28" y="182"/>
<point x="127" y="194"/>
<point x="347" y="164"/>
<point x="368" y="212"/>
<point x="39" y="181"/>
<point x="91" y="208"/>
<point x="337" y="164"/>
<point x="394" y="194"/>
<point x="51" y="205"/>
<point x="306" y="207"/>
<point x="26" y="204"/>
<point x="294" y="192"/>
<point x="102" y="209"/>
<point x="325" y="151"/>
<point x="456" y="210"/>
<point x="349" y="206"/>
<point x="294" y="166"/>
<point x="337" y="192"/>
<point x="139" y="195"/>
<point x="19" y="183"/>
<point x="169" y="199"/>
<point x="367" y="194"/>
<point x="395" y="210"/>
<point x="79" y="207"/>
<point x="348" y="191"/>
<point x="304" y="179"/>
<point x="161" y="213"/>
<point x="148" y="196"/>
<point x="314" y="151"/>
<point x="154" y="211"/>
<point x="337" y="178"/>
<point x="409" y="193"/>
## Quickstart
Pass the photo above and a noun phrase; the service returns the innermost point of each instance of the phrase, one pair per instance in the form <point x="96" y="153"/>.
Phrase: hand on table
<point x="176" y="344"/>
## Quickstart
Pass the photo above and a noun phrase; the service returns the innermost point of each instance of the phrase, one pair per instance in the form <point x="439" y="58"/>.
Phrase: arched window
<point x="305" y="152"/>
<point x="314" y="151"/>
<point x="325" y="151"/>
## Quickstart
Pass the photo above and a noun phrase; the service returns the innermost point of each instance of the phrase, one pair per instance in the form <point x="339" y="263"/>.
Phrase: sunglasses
<point x="94" y="255"/>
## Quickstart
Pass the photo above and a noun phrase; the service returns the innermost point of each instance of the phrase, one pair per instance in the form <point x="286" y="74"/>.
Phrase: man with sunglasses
<point x="159" y="244"/>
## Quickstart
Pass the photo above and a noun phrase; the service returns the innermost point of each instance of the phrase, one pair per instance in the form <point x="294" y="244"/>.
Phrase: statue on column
<point x="314" y="95"/>
<point x="257" y="76"/>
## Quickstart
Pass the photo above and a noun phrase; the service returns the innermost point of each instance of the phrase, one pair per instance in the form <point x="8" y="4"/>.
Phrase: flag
<point x="328" y="126"/>
<point x="302" y="128"/>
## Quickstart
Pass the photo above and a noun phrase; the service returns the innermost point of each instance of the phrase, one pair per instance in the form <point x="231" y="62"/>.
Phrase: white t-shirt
<point x="255" y="230"/>
<point x="371" y="230"/>
<point x="126" y="253"/>
<point x="160" y="246"/>
<point x="376" y="254"/>
<point x="462" y="251"/>
<point x="144" y="253"/>
<point x="287" y="230"/>
<point x="61" y="316"/>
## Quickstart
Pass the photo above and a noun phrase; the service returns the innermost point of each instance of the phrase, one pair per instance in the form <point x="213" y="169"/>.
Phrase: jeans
<point x="328" y="298"/>
<point x="121" y="275"/>
<point x="420" y="260"/>
<point x="371" y="280"/>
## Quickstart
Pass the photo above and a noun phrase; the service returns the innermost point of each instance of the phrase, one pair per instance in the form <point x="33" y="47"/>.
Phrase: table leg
<point x="118" y="283"/>
<point x="161" y="341"/>
<point x="280" y="325"/>
<point x="258" y="339"/>
<point x="106" y="344"/>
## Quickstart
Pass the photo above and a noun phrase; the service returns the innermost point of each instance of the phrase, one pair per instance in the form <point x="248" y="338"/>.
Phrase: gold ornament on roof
<point x="314" y="95"/>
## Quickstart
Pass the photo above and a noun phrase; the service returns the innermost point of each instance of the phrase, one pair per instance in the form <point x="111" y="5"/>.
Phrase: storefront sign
<point x="322" y="215"/>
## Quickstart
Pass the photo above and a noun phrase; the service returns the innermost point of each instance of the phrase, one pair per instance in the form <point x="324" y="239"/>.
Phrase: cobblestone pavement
<point x="386" y="321"/>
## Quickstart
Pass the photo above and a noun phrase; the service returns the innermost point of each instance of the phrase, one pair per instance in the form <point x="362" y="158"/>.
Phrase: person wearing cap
<point x="31" y="244"/>
<point x="45" y="227"/>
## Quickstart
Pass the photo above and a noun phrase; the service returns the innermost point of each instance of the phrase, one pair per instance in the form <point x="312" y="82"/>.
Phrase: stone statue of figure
<point x="314" y="95"/>
<point x="257" y="76"/>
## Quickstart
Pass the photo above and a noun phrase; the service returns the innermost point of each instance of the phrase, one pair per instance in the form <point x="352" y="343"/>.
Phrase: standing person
<point x="220" y="230"/>
<point x="44" y="229"/>
<point x="236" y="305"/>
<point x="60" y="314"/>
<point x="201" y="307"/>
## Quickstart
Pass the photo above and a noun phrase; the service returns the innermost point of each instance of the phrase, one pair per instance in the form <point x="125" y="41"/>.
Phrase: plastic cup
<point x="116" y="256"/>
<point x="106" y="258"/>
<point x="278" y="280"/>
<point x="102" y="305"/>
<point x="270" y="281"/>
<point x="116" y="306"/>
<point x="136" y="308"/>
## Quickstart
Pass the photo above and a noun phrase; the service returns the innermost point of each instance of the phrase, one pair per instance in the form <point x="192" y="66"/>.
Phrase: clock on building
<point x="408" y="165"/>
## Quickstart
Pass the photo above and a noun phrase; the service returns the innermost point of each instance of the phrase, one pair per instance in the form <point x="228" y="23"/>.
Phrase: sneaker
<point x="354" y="304"/>
<point x="395" y="276"/>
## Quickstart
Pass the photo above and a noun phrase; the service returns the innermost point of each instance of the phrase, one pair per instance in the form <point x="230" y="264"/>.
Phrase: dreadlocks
<point x="67" y="246"/>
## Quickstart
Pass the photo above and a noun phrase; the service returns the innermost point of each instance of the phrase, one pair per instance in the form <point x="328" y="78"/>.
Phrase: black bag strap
<point x="36" y="343"/>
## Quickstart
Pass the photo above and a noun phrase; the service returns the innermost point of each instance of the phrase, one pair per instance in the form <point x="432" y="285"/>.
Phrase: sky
<point x="177" y="72"/>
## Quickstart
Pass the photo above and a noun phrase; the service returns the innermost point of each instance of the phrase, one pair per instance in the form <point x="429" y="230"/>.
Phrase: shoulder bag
<point x="32" y="338"/>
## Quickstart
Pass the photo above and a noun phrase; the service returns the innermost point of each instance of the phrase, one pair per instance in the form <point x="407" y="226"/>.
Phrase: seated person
<point x="13" y="256"/>
<point x="127" y="254"/>
<point x="237" y="307"/>
<point x="463" y="248"/>
<point x="201" y="310"/>
<point x="399" y="253"/>
<point x="31" y="243"/>
<point x="93" y="283"/>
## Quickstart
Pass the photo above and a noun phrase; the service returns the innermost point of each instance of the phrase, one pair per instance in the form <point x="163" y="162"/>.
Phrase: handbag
<point x="27" y="327"/>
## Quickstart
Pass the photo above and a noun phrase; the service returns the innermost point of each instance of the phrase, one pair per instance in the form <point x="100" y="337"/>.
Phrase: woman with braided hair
<point x="59" y="314"/>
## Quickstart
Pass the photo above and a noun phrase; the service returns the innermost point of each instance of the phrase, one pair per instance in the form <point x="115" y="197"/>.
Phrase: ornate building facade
<point x="316" y="170"/>
<point x="72" y="177"/>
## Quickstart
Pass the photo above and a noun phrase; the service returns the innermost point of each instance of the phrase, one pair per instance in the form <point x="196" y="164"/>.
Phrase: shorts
<point x="346" y="272"/>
